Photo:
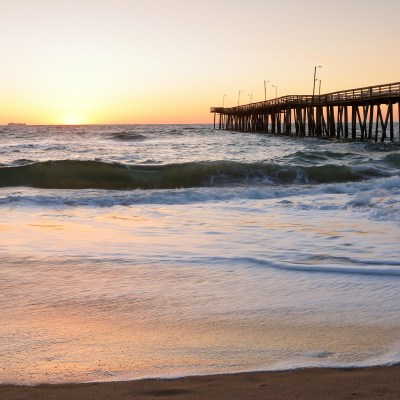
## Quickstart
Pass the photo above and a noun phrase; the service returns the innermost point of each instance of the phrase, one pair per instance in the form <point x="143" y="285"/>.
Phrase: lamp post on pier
<point x="223" y="101"/>
<point x="319" y="89"/>
<point x="251" y="97"/>
<point x="240" y="91"/>
<point x="265" y="90"/>
<point x="315" y="77"/>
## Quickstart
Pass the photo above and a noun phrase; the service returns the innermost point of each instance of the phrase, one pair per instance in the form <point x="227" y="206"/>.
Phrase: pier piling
<point x="325" y="115"/>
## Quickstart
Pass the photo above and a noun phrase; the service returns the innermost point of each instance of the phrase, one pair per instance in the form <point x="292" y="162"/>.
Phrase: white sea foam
<point x="365" y="267"/>
<point x="378" y="199"/>
<point x="387" y="358"/>
<point x="265" y="272"/>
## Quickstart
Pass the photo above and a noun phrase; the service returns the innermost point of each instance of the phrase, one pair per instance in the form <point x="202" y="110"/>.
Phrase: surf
<point x="77" y="174"/>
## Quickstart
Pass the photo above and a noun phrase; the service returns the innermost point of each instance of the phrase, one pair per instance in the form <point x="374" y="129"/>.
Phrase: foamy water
<point x="245" y="252"/>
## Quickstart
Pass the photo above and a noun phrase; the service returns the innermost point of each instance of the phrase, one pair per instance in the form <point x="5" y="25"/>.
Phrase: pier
<point x="365" y="114"/>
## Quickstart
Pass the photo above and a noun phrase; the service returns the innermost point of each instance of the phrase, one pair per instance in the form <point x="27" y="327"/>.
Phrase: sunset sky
<point x="168" y="61"/>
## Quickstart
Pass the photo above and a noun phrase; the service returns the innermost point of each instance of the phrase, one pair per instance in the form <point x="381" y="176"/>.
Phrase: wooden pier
<point x="364" y="114"/>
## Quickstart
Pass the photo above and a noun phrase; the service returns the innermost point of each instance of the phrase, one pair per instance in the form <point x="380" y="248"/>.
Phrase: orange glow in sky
<point x="129" y="61"/>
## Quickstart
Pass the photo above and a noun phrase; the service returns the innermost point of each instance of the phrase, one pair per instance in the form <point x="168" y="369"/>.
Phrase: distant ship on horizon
<point x="16" y="124"/>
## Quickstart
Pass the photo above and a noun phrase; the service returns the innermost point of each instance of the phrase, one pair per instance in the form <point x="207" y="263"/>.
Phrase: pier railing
<point x="379" y="92"/>
<point x="364" y="113"/>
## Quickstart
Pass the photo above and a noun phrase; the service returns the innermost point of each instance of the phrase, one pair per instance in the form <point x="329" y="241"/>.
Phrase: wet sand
<point x="321" y="384"/>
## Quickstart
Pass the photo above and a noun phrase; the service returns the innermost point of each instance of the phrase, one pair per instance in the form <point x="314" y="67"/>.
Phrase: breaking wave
<point x="128" y="137"/>
<point x="71" y="174"/>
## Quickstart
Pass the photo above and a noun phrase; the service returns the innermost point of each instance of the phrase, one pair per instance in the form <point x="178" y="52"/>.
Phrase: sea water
<point x="139" y="251"/>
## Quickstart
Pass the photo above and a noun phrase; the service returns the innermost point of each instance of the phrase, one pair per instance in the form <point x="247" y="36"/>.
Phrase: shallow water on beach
<point x="150" y="251"/>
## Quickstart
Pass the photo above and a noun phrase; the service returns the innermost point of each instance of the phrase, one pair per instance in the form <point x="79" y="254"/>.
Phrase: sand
<point x="363" y="383"/>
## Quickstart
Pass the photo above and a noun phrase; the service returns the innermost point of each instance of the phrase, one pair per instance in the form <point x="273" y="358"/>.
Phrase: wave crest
<point x="128" y="137"/>
<point x="70" y="174"/>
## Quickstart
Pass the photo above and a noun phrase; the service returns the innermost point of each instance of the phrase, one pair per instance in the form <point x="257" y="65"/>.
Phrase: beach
<point x="131" y="252"/>
<point x="304" y="384"/>
<point x="191" y="210"/>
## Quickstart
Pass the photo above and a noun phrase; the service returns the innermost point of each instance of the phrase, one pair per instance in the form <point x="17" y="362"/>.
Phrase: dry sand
<point x="319" y="384"/>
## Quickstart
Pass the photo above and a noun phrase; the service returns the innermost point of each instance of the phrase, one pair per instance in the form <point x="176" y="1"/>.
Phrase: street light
<point x="240" y="91"/>
<point x="265" y="90"/>
<point x="251" y="97"/>
<point x="315" y="74"/>
<point x="276" y="91"/>
<point x="223" y="101"/>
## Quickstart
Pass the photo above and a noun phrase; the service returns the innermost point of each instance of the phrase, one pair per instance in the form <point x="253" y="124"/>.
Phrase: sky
<point x="169" y="61"/>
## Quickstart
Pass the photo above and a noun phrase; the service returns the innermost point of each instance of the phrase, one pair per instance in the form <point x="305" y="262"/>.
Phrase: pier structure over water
<point x="365" y="113"/>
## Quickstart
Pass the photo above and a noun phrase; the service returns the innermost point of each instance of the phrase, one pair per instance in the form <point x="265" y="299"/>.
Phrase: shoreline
<point x="309" y="383"/>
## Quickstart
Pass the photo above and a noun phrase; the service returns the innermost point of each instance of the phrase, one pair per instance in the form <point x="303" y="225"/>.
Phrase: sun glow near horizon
<point x="73" y="120"/>
<point x="74" y="62"/>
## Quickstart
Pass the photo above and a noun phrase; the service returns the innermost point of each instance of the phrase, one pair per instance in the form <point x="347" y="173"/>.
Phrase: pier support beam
<point x="325" y="115"/>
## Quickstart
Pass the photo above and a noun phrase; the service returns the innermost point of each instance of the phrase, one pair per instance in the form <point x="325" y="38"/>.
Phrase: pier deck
<point x="365" y="113"/>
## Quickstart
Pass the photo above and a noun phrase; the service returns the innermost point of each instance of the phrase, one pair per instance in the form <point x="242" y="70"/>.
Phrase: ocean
<point x="137" y="251"/>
